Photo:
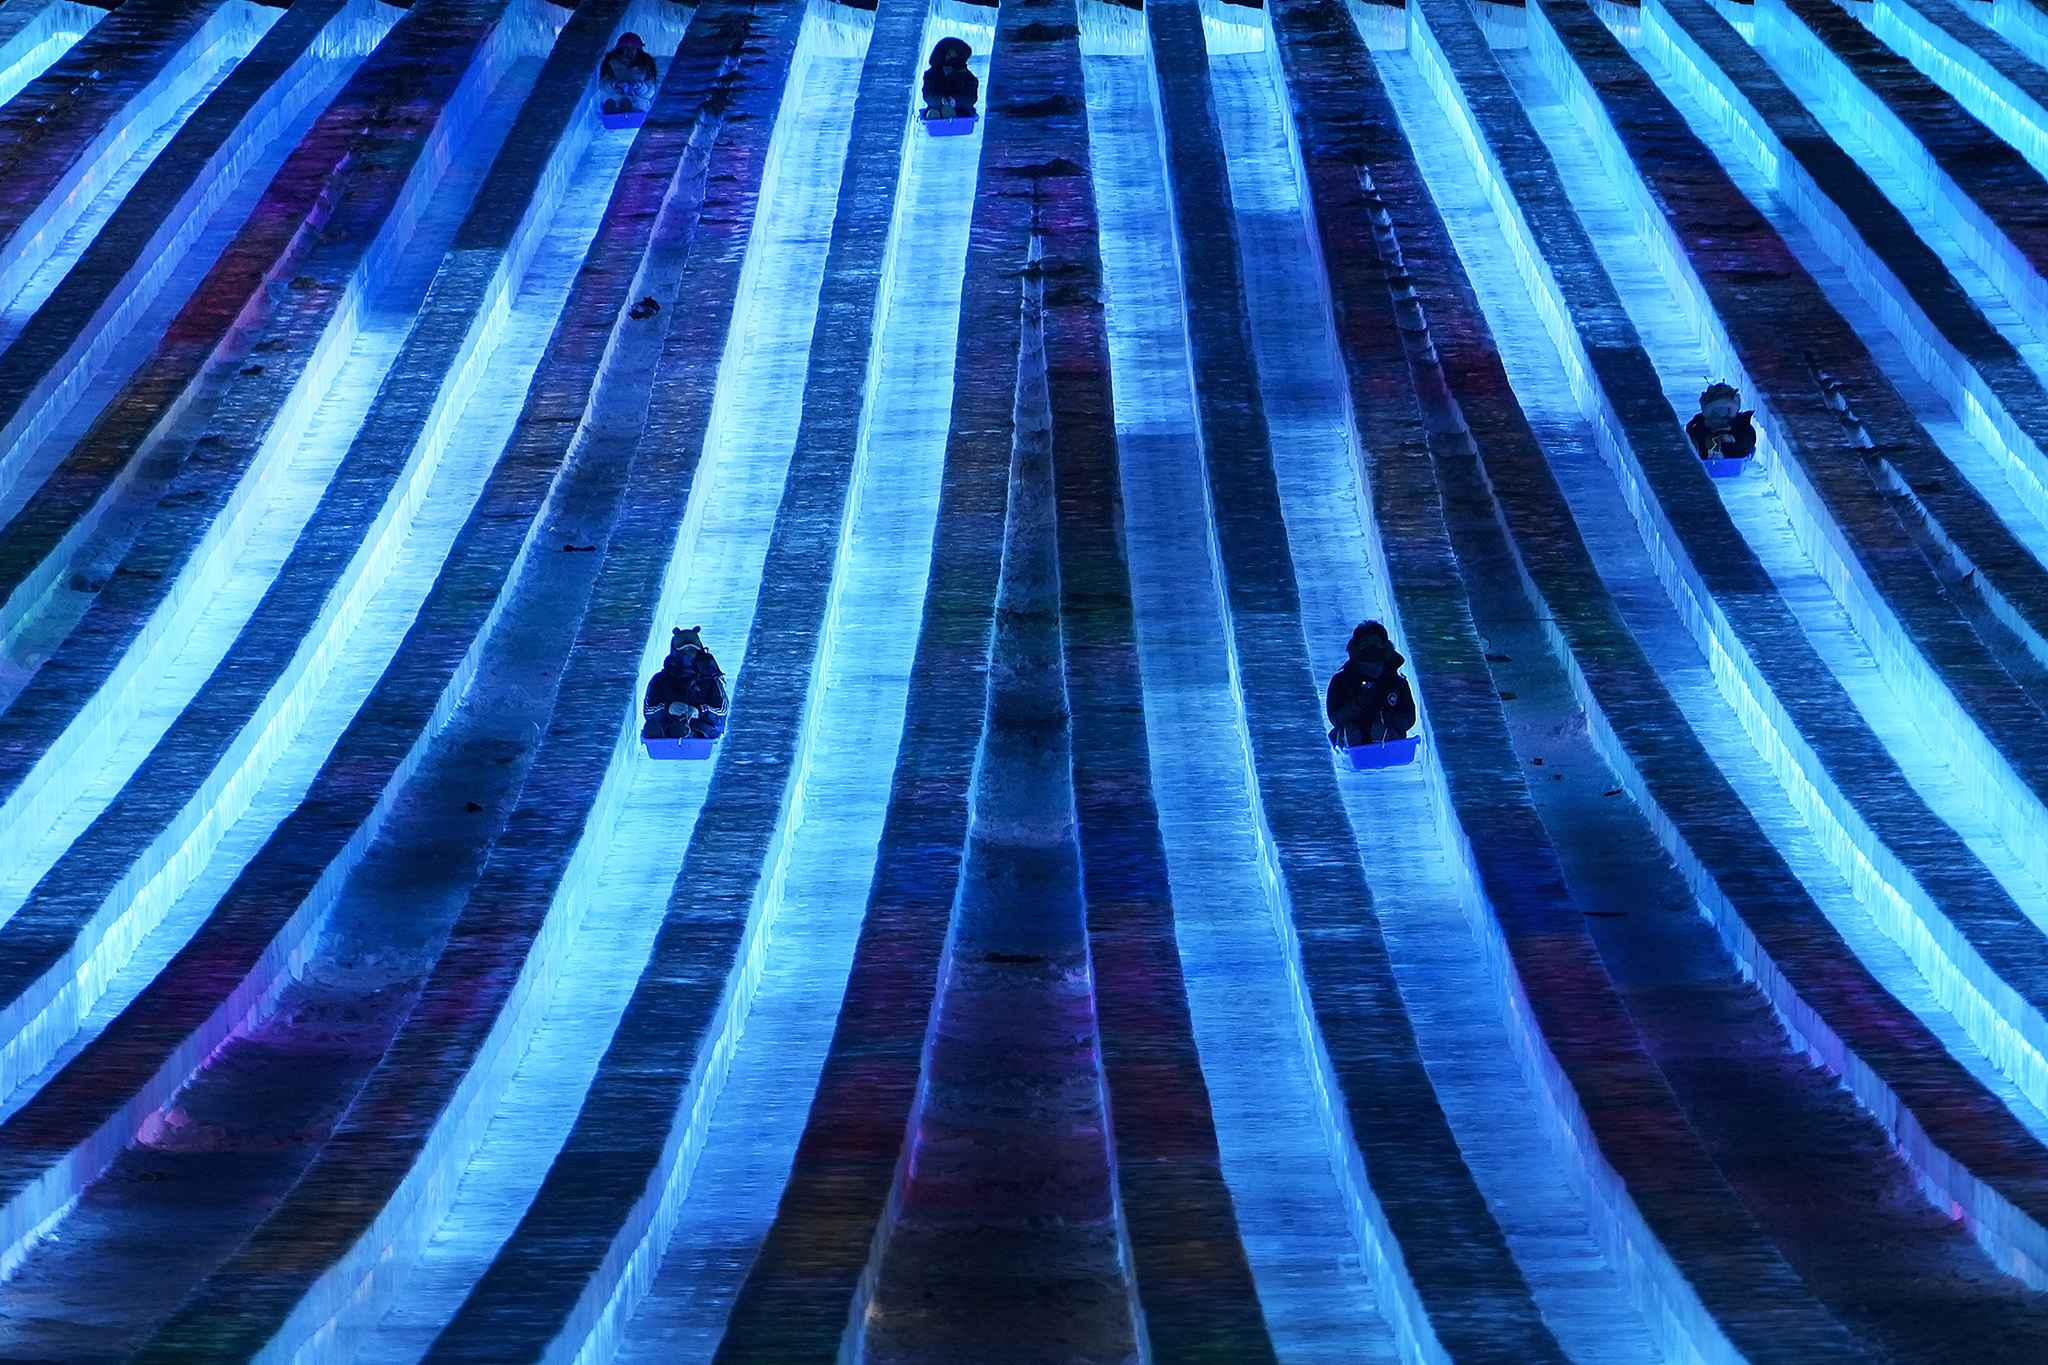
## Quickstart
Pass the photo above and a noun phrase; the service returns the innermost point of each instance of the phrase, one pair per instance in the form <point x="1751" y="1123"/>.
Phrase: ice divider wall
<point x="2003" y="794"/>
<point x="617" y="1276"/>
<point x="137" y="903"/>
<point x="2005" y="1026"/>
<point x="35" y="33"/>
<point x="349" y="1292"/>
<point x="1897" y="889"/>
<point x="1984" y="73"/>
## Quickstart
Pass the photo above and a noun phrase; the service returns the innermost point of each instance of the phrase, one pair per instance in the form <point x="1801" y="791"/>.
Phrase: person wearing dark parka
<point x="686" y="700"/>
<point x="1369" y="702"/>
<point x="950" y="88"/>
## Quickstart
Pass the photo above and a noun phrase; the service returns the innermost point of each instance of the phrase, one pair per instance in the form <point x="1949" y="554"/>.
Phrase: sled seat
<point x="678" y="748"/>
<point x="1728" y="468"/>
<point x="950" y="127"/>
<point x="1392" y="753"/>
<point x="625" y="118"/>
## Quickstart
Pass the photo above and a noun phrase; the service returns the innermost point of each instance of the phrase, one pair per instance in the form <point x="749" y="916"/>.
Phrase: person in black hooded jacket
<point x="1369" y="701"/>
<point x="686" y="700"/>
<point x="950" y="88"/>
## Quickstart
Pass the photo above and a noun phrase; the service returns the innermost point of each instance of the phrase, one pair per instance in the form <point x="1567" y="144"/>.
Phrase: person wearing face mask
<point x="950" y="89"/>
<point x="686" y="700"/>
<point x="1369" y="702"/>
<point x="1719" y="430"/>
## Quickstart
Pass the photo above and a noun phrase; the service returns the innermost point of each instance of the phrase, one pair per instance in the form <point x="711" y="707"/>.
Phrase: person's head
<point x="1721" y="402"/>
<point x="1370" y="649"/>
<point x="628" y="42"/>
<point x="684" y="645"/>
<point x="951" y="53"/>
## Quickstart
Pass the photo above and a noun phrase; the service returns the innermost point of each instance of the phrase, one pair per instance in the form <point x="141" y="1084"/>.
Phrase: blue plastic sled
<point x="1393" y="753"/>
<point x="678" y="748"/>
<point x="1730" y="468"/>
<point x="625" y="118"/>
<point x="950" y="127"/>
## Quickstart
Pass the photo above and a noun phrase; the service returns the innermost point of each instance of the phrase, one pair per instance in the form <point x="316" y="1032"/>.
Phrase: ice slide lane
<point x="1945" y="333"/>
<point x="1986" y="74"/>
<point x="824" y="864"/>
<point x="121" y="874"/>
<point x="1978" y="189"/>
<point x="270" y="910"/>
<point x="1448" y="1281"/>
<point x="1963" y="1144"/>
<point x="1002" y="1238"/>
<point x="1918" y="557"/>
<point x="381" y="1183"/>
<point x="1196" y="1292"/>
<point x="60" y="334"/>
<point x="68" y="130"/>
<point x="119" y="890"/>
<point x="1686" y="1249"/>
<point x="656" y="992"/>
<point x="1466" y="1029"/>
<point x="798" y="1299"/>
<point x="341" y="209"/>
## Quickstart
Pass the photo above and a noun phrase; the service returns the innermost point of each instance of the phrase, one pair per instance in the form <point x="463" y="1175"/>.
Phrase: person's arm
<point x="1402" y="708"/>
<point x="1741" y="435"/>
<point x="1341" y="703"/>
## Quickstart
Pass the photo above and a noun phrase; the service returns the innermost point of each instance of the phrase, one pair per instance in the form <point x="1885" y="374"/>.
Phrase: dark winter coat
<point x="950" y="88"/>
<point x="1369" y="701"/>
<point x="691" y="676"/>
<point x="1739" y="440"/>
<point x="627" y="66"/>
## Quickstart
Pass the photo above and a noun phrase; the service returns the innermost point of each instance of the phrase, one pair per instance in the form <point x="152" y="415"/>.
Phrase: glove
<point x="679" y="708"/>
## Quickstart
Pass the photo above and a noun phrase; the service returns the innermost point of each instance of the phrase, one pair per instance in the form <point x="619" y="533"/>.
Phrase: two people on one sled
<point x="950" y="89"/>
<point x="628" y="76"/>
<point x="1369" y="702"/>
<point x="686" y="700"/>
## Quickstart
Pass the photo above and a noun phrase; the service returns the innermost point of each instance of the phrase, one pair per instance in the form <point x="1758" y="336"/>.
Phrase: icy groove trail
<point x="1271" y="1122"/>
<point x="95" y="692"/>
<point x="653" y="927"/>
<point x="1961" y="1144"/>
<point x="823" y="869"/>
<point x="36" y="33"/>
<point x="1950" y="331"/>
<point x="1599" y="506"/>
<point x="1449" y="998"/>
<point x="233" y="1139"/>
<point x="224" y="1134"/>
<point x="104" y="198"/>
